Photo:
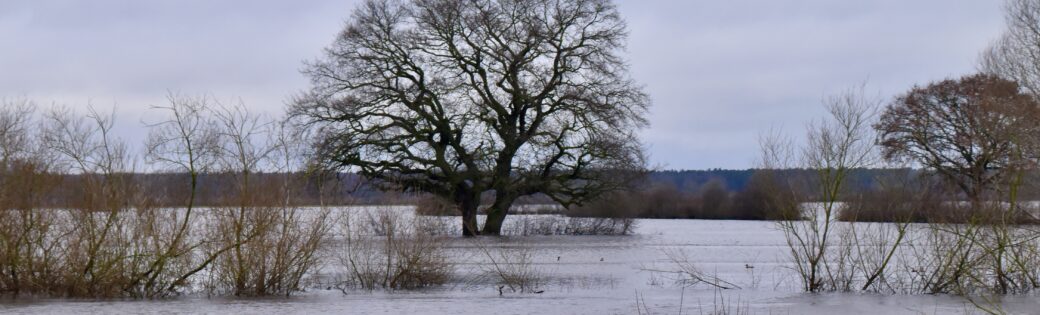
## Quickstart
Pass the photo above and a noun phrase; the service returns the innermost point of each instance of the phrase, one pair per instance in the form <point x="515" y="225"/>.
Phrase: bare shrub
<point x="600" y="226"/>
<point x="1000" y="257"/>
<point x="242" y="216"/>
<point x="943" y="262"/>
<point x="513" y="268"/>
<point x="99" y="224"/>
<point x="384" y="250"/>
<point x="274" y="242"/>
<point x="524" y="225"/>
<point x="972" y="258"/>
<point x="107" y="239"/>
<point x="30" y="260"/>
<point x="76" y="222"/>
<point x="684" y="272"/>
<point x="836" y="145"/>
<point x="535" y="225"/>
<point x="184" y="142"/>
<point x="80" y="250"/>
<point x="876" y="249"/>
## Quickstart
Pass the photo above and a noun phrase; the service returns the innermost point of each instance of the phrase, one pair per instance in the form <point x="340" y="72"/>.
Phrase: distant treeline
<point x="171" y="189"/>
<point x="870" y="195"/>
<point x="174" y="189"/>
<point x="689" y="181"/>
<point x="859" y="180"/>
<point x="702" y="194"/>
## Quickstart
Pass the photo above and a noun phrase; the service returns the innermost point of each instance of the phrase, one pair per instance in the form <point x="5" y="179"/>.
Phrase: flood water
<point x="582" y="275"/>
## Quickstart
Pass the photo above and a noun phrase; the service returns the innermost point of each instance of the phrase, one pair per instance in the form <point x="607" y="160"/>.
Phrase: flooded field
<point x="577" y="275"/>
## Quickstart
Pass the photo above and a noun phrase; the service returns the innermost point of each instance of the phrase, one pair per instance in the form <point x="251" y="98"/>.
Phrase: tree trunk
<point x="468" y="206"/>
<point x="469" y="223"/>
<point x="497" y="214"/>
<point x="493" y="225"/>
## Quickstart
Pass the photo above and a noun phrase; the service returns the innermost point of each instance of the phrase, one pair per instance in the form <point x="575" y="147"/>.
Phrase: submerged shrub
<point x="381" y="249"/>
<point x="272" y="243"/>
<point x="512" y="268"/>
<point x="525" y="225"/>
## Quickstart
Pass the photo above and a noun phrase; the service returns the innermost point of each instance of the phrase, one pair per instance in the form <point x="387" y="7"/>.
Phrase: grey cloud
<point x="720" y="72"/>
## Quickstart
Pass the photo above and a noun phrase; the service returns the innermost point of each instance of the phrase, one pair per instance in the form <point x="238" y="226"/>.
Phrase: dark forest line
<point x="349" y="189"/>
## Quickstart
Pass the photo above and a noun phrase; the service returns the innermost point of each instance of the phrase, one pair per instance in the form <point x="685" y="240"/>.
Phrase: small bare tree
<point x="836" y="146"/>
<point x="185" y="142"/>
<point x="100" y="226"/>
<point x="242" y="215"/>
<point x="29" y="260"/>
<point x="275" y="243"/>
<point x="300" y="237"/>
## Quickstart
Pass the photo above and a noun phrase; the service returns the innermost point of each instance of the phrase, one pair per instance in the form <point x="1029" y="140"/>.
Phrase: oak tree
<point x="971" y="130"/>
<point x="472" y="98"/>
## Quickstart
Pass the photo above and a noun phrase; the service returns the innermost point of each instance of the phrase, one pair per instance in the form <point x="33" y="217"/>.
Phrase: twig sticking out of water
<point x="641" y="301"/>
<point x="688" y="274"/>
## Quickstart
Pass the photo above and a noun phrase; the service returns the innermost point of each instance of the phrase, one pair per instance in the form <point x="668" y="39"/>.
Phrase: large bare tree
<point x="970" y="130"/>
<point x="465" y="97"/>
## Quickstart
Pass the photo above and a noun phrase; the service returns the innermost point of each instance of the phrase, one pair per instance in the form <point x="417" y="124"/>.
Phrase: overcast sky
<point x="719" y="72"/>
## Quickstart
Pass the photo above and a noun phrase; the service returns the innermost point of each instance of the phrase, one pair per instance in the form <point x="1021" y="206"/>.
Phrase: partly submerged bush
<point x="524" y="225"/>
<point x="395" y="255"/>
<point x="512" y="268"/>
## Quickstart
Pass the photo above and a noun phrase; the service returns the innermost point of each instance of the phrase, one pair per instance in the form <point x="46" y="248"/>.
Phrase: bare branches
<point x="185" y="141"/>
<point x="686" y="272"/>
<point x="388" y="251"/>
<point x="15" y="118"/>
<point x="457" y="98"/>
<point x="1015" y="55"/>
<point x="271" y="243"/>
<point x="76" y="221"/>
<point x="836" y="146"/>
<point x="967" y="130"/>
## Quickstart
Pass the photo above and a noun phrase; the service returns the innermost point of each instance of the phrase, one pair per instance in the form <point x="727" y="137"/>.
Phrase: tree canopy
<point x="465" y="97"/>
<point x="970" y="130"/>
